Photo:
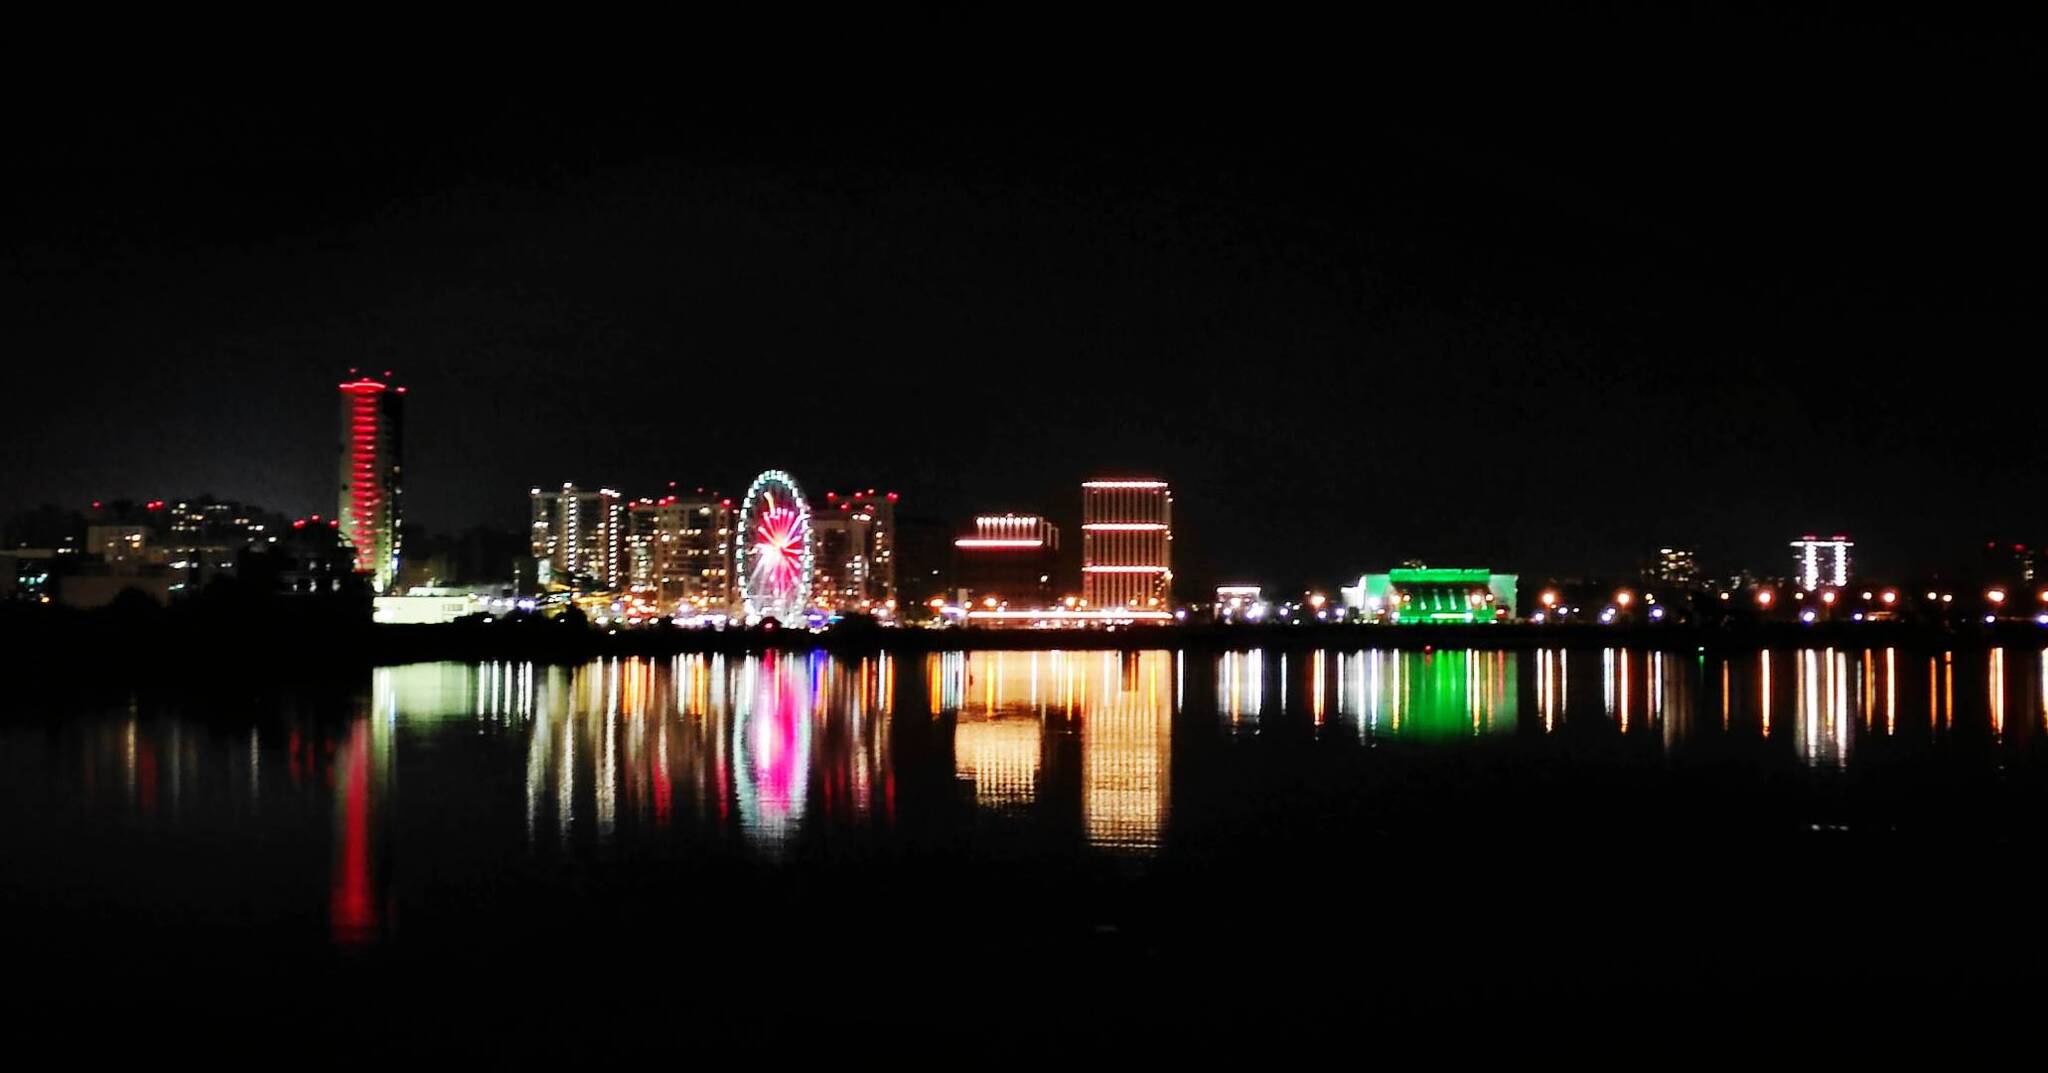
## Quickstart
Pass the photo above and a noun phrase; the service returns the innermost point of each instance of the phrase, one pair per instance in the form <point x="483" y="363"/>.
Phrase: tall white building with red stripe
<point x="372" y="435"/>
<point x="1127" y="544"/>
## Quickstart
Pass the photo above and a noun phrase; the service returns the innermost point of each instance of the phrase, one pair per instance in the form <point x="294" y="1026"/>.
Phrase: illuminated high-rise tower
<point x="1127" y="544"/>
<point x="679" y="551"/>
<point x="1822" y="562"/>
<point x="579" y="539"/>
<point x="372" y="436"/>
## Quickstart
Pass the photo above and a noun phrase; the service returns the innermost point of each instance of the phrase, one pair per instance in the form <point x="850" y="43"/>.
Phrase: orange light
<point x="1623" y="597"/>
<point x="1996" y="596"/>
<point x="1889" y="597"/>
<point x="1764" y="598"/>
<point x="1549" y="598"/>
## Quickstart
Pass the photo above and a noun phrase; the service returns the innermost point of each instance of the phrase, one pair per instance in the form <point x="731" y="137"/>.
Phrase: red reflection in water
<point x="664" y="789"/>
<point x="355" y="907"/>
<point x="778" y="749"/>
<point x="145" y="778"/>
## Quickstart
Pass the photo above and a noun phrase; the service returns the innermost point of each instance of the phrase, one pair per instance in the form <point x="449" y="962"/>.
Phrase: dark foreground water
<point x="1051" y="840"/>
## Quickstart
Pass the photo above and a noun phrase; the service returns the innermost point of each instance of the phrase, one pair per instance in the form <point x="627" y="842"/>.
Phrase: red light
<point x="892" y="497"/>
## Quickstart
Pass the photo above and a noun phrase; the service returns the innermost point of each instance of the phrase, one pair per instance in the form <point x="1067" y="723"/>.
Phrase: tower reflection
<point x="1014" y="709"/>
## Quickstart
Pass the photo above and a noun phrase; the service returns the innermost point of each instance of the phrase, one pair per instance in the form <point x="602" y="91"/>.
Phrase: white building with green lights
<point x="1432" y="595"/>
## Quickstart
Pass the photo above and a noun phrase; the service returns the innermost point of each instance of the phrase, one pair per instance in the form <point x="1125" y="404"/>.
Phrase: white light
<point x="1061" y="614"/>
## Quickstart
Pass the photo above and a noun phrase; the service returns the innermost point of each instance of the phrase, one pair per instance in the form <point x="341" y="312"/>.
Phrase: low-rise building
<point x="1413" y="595"/>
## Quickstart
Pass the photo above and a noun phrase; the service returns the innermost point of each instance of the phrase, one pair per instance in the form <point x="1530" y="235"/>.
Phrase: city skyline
<point x="1547" y="329"/>
<point x="1072" y="543"/>
<point x="611" y="542"/>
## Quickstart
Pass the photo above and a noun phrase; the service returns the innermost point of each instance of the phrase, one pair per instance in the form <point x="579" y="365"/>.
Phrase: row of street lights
<point x="1765" y="599"/>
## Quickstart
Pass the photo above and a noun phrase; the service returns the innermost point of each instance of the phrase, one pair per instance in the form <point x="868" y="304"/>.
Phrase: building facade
<point x="1127" y="544"/>
<point x="679" y="552"/>
<point x="578" y="539"/>
<point x="1008" y="559"/>
<point x="854" y="557"/>
<point x="372" y="438"/>
<point x="1676" y="566"/>
<point x="1822" y="561"/>
<point x="1239" y="603"/>
<point x="1420" y="595"/>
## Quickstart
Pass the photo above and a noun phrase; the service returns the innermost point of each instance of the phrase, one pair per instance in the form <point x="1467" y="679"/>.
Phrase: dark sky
<point x="1541" y="298"/>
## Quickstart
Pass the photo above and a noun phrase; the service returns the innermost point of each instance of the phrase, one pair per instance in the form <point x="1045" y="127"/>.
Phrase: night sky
<point x="1540" y="302"/>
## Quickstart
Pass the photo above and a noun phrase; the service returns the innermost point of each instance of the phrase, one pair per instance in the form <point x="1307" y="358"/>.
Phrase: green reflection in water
<point x="1430" y="696"/>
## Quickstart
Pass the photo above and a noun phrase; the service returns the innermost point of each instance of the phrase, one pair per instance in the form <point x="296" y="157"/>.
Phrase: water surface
<point x="1089" y="816"/>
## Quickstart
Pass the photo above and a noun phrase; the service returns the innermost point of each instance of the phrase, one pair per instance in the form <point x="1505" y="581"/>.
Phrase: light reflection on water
<point x="766" y="755"/>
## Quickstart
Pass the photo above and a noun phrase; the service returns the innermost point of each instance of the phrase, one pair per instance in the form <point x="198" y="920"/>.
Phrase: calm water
<point x="963" y="820"/>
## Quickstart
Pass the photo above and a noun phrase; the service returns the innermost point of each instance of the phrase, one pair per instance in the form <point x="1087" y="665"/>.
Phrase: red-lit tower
<point x="372" y="432"/>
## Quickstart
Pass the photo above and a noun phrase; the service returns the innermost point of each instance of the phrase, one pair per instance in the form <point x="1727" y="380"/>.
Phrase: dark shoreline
<point x="64" y="652"/>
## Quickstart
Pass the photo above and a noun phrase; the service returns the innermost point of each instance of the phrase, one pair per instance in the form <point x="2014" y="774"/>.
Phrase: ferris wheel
<point x="774" y="549"/>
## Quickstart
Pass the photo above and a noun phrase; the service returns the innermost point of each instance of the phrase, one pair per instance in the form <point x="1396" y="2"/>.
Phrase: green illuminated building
<point x="1425" y="595"/>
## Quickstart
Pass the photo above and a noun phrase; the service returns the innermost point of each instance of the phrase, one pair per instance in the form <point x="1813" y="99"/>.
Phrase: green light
<point x="1438" y="576"/>
<point x="1436" y="595"/>
<point x="1446" y="696"/>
